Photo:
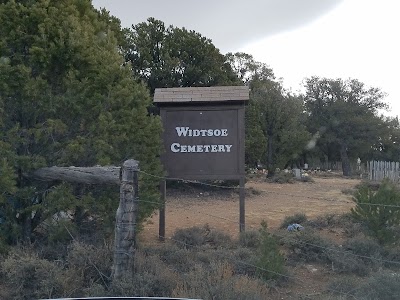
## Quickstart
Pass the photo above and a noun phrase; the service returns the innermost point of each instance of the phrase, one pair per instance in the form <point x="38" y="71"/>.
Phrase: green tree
<point x="66" y="98"/>
<point x="344" y="113"/>
<point x="270" y="262"/>
<point x="175" y="57"/>
<point x="379" y="210"/>
<point x="283" y="124"/>
<point x="387" y="145"/>
<point x="275" y="123"/>
<point x="247" y="69"/>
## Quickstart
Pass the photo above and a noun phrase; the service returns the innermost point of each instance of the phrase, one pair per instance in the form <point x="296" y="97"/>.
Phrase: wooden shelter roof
<point x="201" y="94"/>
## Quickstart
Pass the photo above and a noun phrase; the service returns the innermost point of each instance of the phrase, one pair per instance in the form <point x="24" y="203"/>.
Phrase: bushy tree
<point x="386" y="146"/>
<point x="270" y="261"/>
<point x="66" y="98"/>
<point x="345" y="115"/>
<point x="379" y="210"/>
<point x="247" y="69"/>
<point x="276" y="132"/>
<point x="175" y="57"/>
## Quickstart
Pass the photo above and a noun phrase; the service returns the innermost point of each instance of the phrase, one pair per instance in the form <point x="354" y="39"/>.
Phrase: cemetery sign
<point x="203" y="131"/>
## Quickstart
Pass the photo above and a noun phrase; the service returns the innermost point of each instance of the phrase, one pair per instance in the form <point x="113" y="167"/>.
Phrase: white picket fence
<point x="378" y="170"/>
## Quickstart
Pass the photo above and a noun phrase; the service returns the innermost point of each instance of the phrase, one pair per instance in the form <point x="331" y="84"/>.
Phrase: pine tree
<point x="66" y="98"/>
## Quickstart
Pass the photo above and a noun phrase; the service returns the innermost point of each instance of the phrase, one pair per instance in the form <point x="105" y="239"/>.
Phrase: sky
<point x="296" y="38"/>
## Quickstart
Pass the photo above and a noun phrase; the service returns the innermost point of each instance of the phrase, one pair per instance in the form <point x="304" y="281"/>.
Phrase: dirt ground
<point x="264" y="201"/>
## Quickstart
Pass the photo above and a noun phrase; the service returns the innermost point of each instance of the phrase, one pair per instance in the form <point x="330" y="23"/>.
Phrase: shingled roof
<point x="201" y="94"/>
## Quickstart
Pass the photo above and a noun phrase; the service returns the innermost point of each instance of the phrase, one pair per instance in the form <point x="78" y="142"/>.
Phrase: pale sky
<point x="296" y="38"/>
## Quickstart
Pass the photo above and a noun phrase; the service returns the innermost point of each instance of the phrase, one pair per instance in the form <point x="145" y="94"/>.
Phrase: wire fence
<point x="332" y="200"/>
<point x="278" y="235"/>
<point x="282" y="194"/>
<point x="299" y="281"/>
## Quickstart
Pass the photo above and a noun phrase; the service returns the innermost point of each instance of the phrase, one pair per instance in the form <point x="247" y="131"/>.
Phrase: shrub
<point x="152" y="278"/>
<point x="189" y="237"/>
<point x="179" y="259"/>
<point x="383" y="286"/>
<point x="379" y="210"/>
<point x="217" y="238"/>
<point x="306" y="178"/>
<point x="343" y="286"/>
<point x="392" y="257"/>
<point x="198" y="236"/>
<point x="298" y="218"/>
<point x="244" y="260"/>
<point x="87" y="265"/>
<point x="306" y="246"/>
<point x="365" y="247"/>
<point x="330" y="220"/>
<point x="250" y="239"/>
<point x="282" y="177"/>
<point x="346" y="222"/>
<point x="269" y="261"/>
<point x="52" y="252"/>
<point x="30" y="277"/>
<point x="219" y="282"/>
<point x="349" y="191"/>
<point x="345" y="262"/>
<point x="61" y="231"/>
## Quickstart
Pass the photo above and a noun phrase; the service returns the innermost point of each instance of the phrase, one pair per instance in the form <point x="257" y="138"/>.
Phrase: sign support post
<point x="242" y="212"/>
<point x="161" y="224"/>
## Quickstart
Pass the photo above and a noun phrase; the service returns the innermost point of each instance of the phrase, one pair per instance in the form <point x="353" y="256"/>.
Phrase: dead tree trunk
<point x="125" y="227"/>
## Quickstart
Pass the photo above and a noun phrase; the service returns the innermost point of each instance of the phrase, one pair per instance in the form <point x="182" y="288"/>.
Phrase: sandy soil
<point x="264" y="201"/>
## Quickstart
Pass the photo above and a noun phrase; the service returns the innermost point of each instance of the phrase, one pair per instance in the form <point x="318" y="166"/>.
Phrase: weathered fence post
<point x="125" y="226"/>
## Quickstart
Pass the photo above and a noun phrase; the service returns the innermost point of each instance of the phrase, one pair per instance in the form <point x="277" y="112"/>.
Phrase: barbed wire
<point x="315" y="245"/>
<point x="281" y="236"/>
<point x="296" y="278"/>
<point x="265" y="191"/>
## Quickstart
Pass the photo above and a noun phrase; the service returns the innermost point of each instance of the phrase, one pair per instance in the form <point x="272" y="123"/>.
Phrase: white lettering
<point x="217" y="132"/>
<point x="181" y="130"/>
<point x="175" y="147"/>
<point x="191" y="148"/>
<point x="186" y="131"/>
<point x="196" y="132"/>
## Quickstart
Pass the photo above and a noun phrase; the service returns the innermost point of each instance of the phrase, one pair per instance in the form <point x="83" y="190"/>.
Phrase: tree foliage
<point x="247" y="69"/>
<point x="275" y="124"/>
<point x="379" y="210"/>
<point x="175" y="57"/>
<point x="386" y="146"/>
<point x="65" y="99"/>
<point x="344" y="113"/>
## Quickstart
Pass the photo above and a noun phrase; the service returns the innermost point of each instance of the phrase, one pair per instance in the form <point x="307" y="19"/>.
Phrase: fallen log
<point x="85" y="175"/>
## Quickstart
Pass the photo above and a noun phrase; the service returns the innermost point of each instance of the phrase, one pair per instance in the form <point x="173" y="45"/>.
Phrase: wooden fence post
<point x="125" y="226"/>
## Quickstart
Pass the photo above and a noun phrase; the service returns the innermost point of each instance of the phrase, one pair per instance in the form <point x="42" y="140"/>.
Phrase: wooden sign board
<point x="203" y="131"/>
